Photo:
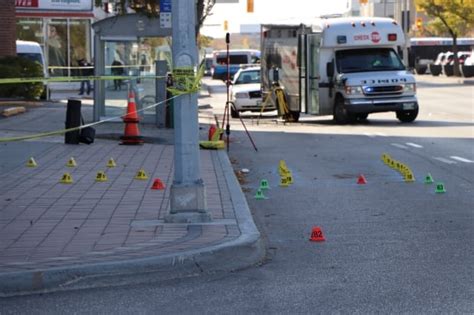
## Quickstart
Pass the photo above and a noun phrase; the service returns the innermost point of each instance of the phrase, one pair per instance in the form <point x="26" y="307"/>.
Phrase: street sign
<point x="165" y="6"/>
<point x="165" y="13"/>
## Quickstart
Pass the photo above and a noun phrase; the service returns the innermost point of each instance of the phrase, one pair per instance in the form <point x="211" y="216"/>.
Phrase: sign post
<point x="187" y="196"/>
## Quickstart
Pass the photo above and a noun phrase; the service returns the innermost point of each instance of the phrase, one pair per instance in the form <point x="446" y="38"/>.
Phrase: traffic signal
<point x="250" y="6"/>
<point x="419" y="23"/>
<point x="226" y="25"/>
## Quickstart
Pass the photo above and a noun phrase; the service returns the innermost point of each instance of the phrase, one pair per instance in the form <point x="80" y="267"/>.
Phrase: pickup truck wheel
<point x="407" y="116"/>
<point x="341" y="116"/>
<point x="233" y="112"/>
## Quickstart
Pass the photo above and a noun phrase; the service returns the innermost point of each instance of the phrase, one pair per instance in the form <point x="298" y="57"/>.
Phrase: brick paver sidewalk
<point x="47" y="224"/>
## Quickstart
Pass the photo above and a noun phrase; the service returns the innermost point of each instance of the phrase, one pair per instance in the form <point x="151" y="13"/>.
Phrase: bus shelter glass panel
<point x="151" y="49"/>
<point x="136" y="61"/>
<point x="120" y="60"/>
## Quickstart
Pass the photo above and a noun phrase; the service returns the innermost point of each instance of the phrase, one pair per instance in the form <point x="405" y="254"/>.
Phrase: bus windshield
<point x="365" y="60"/>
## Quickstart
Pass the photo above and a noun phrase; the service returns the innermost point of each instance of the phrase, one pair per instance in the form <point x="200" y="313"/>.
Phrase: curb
<point x="242" y="252"/>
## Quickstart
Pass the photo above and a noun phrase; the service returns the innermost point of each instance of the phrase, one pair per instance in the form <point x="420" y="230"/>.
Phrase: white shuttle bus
<point x="345" y="67"/>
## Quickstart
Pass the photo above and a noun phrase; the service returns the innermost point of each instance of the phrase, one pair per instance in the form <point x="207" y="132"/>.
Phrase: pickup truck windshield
<point x="365" y="60"/>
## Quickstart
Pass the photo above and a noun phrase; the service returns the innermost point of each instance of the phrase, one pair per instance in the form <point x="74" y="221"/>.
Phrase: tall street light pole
<point x="188" y="196"/>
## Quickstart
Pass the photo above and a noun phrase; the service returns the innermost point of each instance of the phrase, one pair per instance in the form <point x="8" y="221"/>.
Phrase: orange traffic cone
<point x="317" y="235"/>
<point x="361" y="180"/>
<point x="158" y="184"/>
<point x="131" y="133"/>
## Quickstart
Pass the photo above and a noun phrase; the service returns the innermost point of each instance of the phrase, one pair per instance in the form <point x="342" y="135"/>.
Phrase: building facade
<point x="61" y="27"/>
<point x="7" y="31"/>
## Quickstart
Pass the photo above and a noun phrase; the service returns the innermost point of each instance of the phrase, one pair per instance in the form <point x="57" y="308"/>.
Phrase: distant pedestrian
<point x="117" y="70"/>
<point x="85" y="71"/>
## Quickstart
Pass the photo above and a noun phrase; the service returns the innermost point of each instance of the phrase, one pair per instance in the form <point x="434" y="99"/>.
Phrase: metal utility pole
<point x="406" y="26"/>
<point x="188" y="196"/>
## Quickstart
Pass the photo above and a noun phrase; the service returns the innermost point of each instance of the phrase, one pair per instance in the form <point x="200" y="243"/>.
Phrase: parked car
<point x="247" y="93"/>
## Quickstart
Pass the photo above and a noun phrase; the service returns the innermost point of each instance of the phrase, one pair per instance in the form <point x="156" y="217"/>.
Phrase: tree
<point x="455" y="17"/>
<point x="152" y="8"/>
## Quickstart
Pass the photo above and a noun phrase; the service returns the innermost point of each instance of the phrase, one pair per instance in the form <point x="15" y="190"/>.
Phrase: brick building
<point x="7" y="28"/>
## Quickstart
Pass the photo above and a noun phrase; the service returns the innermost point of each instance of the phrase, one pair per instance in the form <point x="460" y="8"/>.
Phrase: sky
<point x="267" y="11"/>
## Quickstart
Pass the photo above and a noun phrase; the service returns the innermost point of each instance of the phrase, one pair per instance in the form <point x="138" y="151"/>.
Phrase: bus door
<point x="309" y="46"/>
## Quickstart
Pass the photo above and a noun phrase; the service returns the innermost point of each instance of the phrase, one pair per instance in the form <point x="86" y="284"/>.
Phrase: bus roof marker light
<point x="341" y="39"/>
<point x="392" y="37"/>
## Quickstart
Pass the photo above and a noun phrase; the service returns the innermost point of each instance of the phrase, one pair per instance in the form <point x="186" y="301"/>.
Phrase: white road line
<point x="414" y="145"/>
<point x="381" y="134"/>
<point x="398" y="145"/>
<point x="444" y="160"/>
<point x="461" y="159"/>
<point x="369" y="135"/>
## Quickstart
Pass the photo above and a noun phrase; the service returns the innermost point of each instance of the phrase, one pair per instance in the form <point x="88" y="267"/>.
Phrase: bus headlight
<point x="410" y="87"/>
<point x="353" y="90"/>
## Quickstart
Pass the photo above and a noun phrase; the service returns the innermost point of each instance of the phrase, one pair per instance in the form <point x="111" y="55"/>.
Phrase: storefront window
<point x="57" y="47"/>
<point x="30" y="29"/>
<point x="79" y="31"/>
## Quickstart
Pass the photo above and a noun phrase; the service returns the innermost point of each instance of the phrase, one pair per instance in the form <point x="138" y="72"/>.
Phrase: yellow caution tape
<point x="185" y="81"/>
<point x="63" y="131"/>
<point x="75" y="79"/>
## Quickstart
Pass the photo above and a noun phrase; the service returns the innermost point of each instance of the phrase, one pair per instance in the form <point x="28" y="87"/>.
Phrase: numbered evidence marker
<point x="101" y="177"/>
<point x="317" y="235"/>
<point x="66" y="179"/>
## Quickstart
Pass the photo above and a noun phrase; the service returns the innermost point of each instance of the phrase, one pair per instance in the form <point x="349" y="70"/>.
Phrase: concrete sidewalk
<point x="56" y="236"/>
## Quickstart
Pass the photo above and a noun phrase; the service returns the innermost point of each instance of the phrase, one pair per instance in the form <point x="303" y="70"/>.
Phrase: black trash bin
<point x="73" y="120"/>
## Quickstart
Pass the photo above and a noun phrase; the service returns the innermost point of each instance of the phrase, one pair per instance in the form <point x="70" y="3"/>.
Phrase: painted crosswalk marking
<point x="411" y="144"/>
<point x="398" y="145"/>
<point x="461" y="159"/>
<point x="444" y="160"/>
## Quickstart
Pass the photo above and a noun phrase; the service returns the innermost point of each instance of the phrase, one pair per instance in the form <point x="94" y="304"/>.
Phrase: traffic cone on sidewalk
<point x="131" y="134"/>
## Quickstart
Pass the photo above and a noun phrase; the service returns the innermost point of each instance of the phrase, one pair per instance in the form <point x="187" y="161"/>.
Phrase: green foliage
<point x="455" y="17"/>
<point x="17" y="67"/>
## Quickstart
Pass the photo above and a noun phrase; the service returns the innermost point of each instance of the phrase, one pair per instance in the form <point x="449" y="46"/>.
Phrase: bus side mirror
<point x="330" y="69"/>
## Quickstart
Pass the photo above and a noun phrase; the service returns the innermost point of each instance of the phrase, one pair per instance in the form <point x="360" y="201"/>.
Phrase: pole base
<point x="188" y="217"/>
<point x="188" y="204"/>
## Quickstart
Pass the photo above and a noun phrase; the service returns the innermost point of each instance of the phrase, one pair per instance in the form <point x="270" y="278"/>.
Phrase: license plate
<point x="407" y="106"/>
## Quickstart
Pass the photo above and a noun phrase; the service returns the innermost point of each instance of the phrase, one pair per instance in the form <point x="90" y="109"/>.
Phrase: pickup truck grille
<point x="383" y="90"/>
<point x="255" y="94"/>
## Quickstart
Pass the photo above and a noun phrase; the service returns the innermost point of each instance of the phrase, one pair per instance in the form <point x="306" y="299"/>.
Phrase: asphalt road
<point x="391" y="246"/>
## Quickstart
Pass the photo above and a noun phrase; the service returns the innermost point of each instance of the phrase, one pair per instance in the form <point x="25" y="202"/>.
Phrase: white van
<point x="33" y="52"/>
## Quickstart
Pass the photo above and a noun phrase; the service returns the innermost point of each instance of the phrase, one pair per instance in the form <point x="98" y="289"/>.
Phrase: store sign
<point x="63" y="5"/>
<point x="26" y="3"/>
